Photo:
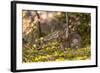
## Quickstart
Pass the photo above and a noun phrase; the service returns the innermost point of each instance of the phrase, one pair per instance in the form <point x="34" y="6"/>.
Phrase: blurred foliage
<point x="38" y="51"/>
<point x="81" y="23"/>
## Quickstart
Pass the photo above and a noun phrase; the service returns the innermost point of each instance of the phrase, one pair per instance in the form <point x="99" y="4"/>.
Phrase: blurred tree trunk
<point x="39" y="29"/>
<point x="39" y="26"/>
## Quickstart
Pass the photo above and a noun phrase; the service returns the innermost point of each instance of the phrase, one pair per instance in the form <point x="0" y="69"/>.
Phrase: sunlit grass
<point x="52" y="52"/>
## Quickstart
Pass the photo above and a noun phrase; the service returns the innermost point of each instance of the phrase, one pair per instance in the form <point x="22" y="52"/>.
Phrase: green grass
<point x="52" y="52"/>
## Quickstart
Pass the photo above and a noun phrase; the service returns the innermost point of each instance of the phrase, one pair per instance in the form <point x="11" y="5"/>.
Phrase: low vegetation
<point x="52" y="52"/>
